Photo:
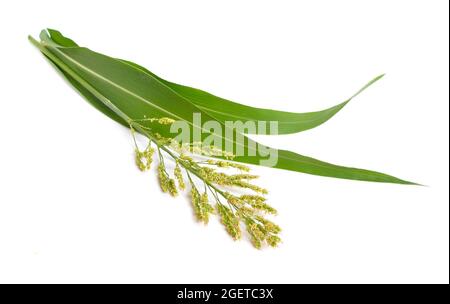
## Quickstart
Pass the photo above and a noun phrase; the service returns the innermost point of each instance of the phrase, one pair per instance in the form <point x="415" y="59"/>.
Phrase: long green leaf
<point x="227" y="110"/>
<point x="125" y="93"/>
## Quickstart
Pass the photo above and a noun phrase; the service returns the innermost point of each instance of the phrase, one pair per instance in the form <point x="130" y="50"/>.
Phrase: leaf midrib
<point x="280" y="122"/>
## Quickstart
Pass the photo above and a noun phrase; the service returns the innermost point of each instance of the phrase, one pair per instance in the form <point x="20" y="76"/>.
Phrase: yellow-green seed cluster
<point x="200" y="149"/>
<point x="258" y="203"/>
<point x="268" y="225"/>
<point x="223" y="179"/>
<point x="200" y="203"/>
<point x="207" y="150"/>
<point x="261" y="232"/>
<point x="230" y="221"/>
<point x="165" y="121"/>
<point x="195" y="148"/>
<point x="179" y="176"/>
<point x="167" y="184"/>
<point x="249" y="209"/>
<point x="144" y="158"/>
<point x="227" y="164"/>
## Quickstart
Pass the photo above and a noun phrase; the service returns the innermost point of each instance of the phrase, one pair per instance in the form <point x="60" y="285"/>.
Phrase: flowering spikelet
<point x="214" y="151"/>
<point x="167" y="184"/>
<point x="218" y="178"/>
<point x="258" y="203"/>
<point x="201" y="149"/>
<point x="163" y="120"/>
<point x="195" y="197"/>
<point x="222" y="179"/>
<point x="230" y="221"/>
<point x="226" y="164"/>
<point x="247" y="185"/>
<point x="144" y="158"/>
<point x="206" y="207"/>
<point x="179" y="177"/>
<point x="268" y="225"/>
<point x="273" y="240"/>
<point x="173" y="187"/>
<point x="234" y="200"/>
<point x="163" y="141"/>
<point x="243" y="176"/>
<point x="256" y="232"/>
<point x="163" y="178"/>
<point x="201" y="206"/>
<point x="196" y="204"/>
<point x="264" y="231"/>
<point x="249" y="204"/>
<point x="186" y="158"/>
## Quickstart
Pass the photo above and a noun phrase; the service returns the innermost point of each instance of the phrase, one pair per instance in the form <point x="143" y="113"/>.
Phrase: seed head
<point x="230" y="221"/>
<point x="273" y="240"/>
<point x="227" y="164"/>
<point x="268" y="225"/>
<point x="179" y="177"/>
<point x="201" y="206"/>
<point x="172" y="187"/>
<point x="258" y="203"/>
<point x="163" y="178"/>
<point x="144" y="158"/>
<point x="162" y="120"/>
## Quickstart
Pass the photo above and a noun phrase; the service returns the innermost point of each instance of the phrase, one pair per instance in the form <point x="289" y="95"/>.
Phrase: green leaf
<point x="227" y="110"/>
<point x="125" y="93"/>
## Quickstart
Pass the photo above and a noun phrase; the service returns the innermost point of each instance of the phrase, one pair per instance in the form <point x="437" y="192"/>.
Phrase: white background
<point x="73" y="207"/>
